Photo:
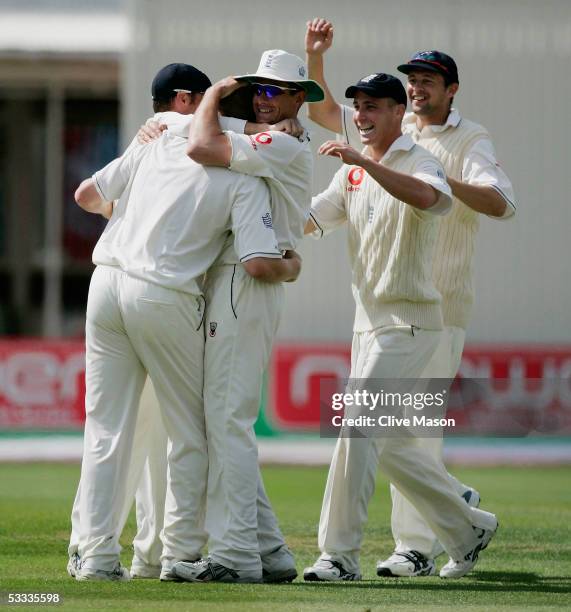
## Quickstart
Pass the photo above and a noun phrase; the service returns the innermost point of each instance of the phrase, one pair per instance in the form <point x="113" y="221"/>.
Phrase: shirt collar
<point x="453" y="119"/>
<point x="403" y="143"/>
<point x="177" y="123"/>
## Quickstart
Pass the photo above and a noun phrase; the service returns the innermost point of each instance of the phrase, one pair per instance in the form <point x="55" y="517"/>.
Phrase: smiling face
<point x="429" y="95"/>
<point x="377" y="119"/>
<point x="283" y="106"/>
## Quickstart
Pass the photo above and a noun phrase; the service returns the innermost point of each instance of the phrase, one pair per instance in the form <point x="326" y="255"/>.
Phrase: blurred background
<point x="75" y="85"/>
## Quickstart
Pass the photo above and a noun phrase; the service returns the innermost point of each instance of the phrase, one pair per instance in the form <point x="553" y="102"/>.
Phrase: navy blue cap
<point x="379" y="85"/>
<point x="434" y="61"/>
<point x="178" y="76"/>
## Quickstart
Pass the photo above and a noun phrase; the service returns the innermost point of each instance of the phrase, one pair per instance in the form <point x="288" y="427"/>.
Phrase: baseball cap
<point x="379" y="85"/>
<point x="178" y="76"/>
<point x="434" y="61"/>
<point x="279" y="65"/>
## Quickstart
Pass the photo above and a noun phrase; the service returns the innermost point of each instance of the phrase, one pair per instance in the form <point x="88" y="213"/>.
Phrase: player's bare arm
<point x="481" y="198"/>
<point x="88" y="198"/>
<point x="310" y="226"/>
<point x="207" y="143"/>
<point x="270" y="270"/>
<point x="152" y="129"/>
<point x="403" y="187"/>
<point x="319" y="38"/>
<point x="293" y="127"/>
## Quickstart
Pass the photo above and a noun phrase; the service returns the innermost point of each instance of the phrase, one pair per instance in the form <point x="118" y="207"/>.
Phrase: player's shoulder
<point x="419" y="152"/>
<point x="282" y="139"/>
<point x="469" y="127"/>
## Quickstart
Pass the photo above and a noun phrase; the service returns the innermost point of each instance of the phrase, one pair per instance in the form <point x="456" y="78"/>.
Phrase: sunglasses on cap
<point x="271" y="91"/>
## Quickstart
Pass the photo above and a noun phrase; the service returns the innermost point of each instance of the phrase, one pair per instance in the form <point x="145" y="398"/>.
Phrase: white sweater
<point x="454" y="254"/>
<point x="391" y="244"/>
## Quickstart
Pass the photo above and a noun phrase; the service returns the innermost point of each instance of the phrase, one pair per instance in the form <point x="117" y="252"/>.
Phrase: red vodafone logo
<point x="356" y="176"/>
<point x="263" y="138"/>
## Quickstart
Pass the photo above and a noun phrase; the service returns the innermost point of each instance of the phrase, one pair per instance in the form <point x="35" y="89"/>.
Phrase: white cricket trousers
<point x="133" y="328"/>
<point x="388" y="353"/>
<point x="242" y="318"/>
<point x="147" y="476"/>
<point x="410" y="530"/>
<point x="229" y="290"/>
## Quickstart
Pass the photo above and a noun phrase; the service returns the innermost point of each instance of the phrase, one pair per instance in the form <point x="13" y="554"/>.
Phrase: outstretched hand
<point x="342" y="150"/>
<point x="318" y="36"/>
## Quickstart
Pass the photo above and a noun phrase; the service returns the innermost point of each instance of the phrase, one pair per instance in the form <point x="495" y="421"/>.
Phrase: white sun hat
<point x="279" y="65"/>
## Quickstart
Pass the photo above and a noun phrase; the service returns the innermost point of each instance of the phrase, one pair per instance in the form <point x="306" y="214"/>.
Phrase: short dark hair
<point x="239" y="104"/>
<point x="163" y="105"/>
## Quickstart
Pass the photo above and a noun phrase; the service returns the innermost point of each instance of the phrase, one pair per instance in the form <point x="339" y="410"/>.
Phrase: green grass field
<point x="527" y="567"/>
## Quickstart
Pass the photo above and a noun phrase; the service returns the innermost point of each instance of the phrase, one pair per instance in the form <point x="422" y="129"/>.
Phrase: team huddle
<point x="206" y="209"/>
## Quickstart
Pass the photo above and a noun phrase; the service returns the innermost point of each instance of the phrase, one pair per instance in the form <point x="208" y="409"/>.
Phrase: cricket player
<point x="242" y="319"/>
<point x="479" y="186"/>
<point x="391" y="197"/>
<point x="145" y="314"/>
<point x="178" y="88"/>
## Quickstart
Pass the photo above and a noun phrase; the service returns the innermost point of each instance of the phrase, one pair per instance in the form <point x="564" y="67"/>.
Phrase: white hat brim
<point x="313" y="90"/>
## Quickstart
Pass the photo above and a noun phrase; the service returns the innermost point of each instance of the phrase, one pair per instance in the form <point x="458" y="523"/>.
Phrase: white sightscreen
<point x="513" y="57"/>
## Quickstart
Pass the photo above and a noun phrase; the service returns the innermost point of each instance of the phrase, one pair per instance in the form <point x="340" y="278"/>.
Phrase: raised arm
<point x="318" y="38"/>
<point x="207" y="143"/>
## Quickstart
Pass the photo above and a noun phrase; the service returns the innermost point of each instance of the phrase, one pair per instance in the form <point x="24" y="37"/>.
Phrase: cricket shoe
<point x="457" y="569"/>
<point x="117" y="574"/>
<point x="207" y="570"/>
<point x="279" y="566"/>
<point x="328" y="571"/>
<point x="74" y="565"/>
<point x="472" y="498"/>
<point x="144" y="570"/>
<point x="167" y="573"/>
<point x="406" y="564"/>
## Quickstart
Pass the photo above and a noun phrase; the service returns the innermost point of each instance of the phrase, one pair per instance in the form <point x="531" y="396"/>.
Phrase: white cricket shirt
<point x="174" y="222"/>
<point x="391" y="244"/>
<point x="286" y="163"/>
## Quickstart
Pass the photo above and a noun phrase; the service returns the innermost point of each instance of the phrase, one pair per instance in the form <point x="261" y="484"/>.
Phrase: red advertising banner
<point x="532" y="381"/>
<point x="42" y="384"/>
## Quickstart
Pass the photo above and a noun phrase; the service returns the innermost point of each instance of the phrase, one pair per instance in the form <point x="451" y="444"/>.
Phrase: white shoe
<point x="457" y="569"/>
<point x="406" y="564"/>
<point x="328" y="571"/>
<point x="279" y="566"/>
<point x="207" y="570"/>
<point x="472" y="498"/>
<point x="143" y="570"/>
<point x="117" y="574"/>
<point x="73" y="565"/>
<point x="167" y="573"/>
